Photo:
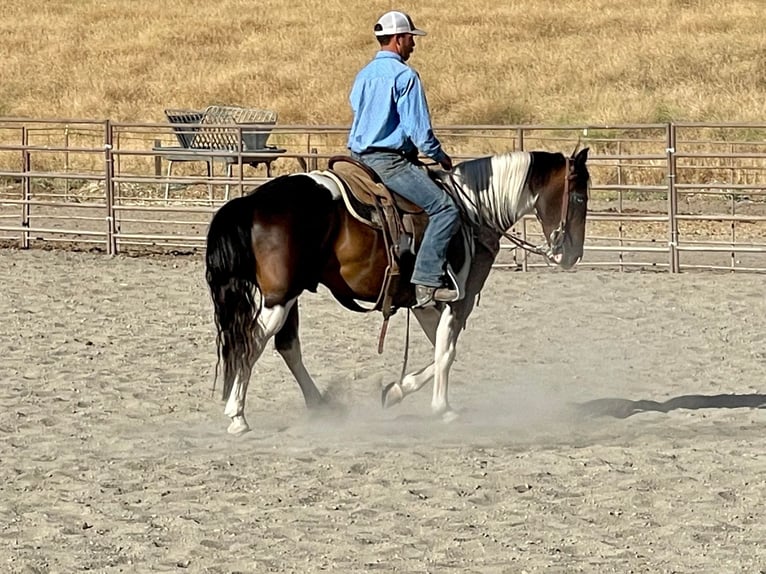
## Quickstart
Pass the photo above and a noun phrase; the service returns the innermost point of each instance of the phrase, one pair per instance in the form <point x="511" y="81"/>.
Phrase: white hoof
<point x="392" y="395"/>
<point x="449" y="416"/>
<point x="238" y="426"/>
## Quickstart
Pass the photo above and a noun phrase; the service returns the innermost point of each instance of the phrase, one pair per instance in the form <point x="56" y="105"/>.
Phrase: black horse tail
<point x="230" y="274"/>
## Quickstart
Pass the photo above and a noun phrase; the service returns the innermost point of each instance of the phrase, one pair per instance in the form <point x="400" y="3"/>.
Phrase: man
<point x="391" y="124"/>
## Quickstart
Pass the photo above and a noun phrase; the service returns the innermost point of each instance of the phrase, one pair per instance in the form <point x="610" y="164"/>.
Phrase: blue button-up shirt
<point x="390" y="109"/>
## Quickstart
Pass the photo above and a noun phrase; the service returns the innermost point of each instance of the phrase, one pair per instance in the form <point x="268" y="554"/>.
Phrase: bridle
<point x="557" y="236"/>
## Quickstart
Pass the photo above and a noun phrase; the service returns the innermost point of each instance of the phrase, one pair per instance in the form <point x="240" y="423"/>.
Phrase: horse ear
<point x="577" y="145"/>
<point x="582" y="156"/>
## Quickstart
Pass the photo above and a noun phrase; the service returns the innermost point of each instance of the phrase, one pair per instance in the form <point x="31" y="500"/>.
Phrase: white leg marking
<point x="444" y="355"/>
<point x="428" y="318"/>
<point x="411" y="382"/>
<point x="270" y="321"/>
<point x="414" y="381"/>
<point x="232" y="404"/>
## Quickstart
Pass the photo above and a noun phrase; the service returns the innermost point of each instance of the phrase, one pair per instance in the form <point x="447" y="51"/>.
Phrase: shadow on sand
<point x="624" y="408"/>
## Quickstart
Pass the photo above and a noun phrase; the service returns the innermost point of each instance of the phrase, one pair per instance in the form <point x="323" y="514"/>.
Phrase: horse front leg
<point x="270" y="321"/>
<point x="442" y="329"/>
<point x="444" y="355"/>
<point x="394" y="393"/>
<point x="288" y="344"/>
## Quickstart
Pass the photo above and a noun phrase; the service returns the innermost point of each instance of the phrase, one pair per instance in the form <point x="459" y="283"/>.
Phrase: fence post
<point x="66" y="162"/>
<point x="26" y="188"/>
<point x="672" y="200"/>
<point x="157" y="159"/>
<point x="733" y="211"/>
<point x="313" y="160"/>
<point x="620" y="227"/>
<point x="111" y="242"/>
<point x="524" y="253"/>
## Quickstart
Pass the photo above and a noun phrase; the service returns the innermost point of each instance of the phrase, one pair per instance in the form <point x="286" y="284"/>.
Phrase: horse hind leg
<point x="270" y="322"/>
<point x="235" y="405"/>
<point x="288" y="344"/>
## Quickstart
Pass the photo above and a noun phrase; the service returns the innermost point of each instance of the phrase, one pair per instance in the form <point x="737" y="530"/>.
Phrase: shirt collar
<point x="387" y="54"/>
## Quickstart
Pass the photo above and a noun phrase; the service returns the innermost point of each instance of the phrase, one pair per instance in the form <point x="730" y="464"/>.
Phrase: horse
<point x="291" y="234"/>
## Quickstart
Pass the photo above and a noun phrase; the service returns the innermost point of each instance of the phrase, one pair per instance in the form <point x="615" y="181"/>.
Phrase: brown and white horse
<point x="293" y="233"/>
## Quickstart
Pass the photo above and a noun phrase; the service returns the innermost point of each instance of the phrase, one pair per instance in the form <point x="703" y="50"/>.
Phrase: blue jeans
<point x="413" y="183"/>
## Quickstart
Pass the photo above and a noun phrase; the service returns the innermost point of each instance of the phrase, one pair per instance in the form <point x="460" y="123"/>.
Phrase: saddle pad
<point x="340" y="190"/>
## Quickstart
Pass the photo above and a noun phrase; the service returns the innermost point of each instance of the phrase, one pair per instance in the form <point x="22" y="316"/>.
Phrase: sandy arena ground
<point x="115" y="456"/>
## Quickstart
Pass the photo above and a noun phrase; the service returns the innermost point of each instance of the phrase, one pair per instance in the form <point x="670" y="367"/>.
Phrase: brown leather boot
<point x="426" y="295"/>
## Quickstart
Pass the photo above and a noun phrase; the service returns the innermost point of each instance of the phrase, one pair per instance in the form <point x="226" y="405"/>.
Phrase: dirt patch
<point x="115" y="455"/>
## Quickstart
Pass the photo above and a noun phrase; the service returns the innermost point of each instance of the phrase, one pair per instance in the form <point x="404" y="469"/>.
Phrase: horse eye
<point x="578" y="199"/>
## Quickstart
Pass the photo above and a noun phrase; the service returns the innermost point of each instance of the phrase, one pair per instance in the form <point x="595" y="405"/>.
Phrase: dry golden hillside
<point x="517" y="61"/>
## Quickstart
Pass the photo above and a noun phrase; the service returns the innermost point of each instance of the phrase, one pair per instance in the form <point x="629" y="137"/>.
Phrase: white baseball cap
<point x="394" y="22"/>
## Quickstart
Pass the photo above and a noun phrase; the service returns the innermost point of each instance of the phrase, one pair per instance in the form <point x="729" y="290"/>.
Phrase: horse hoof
<point x="238" y="426"/>
<point x="392" y="395"/>
<point x="449" y="416"/>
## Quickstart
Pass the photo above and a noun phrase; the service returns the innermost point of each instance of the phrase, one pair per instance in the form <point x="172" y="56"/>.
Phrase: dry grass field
<point x="519" y="61"/>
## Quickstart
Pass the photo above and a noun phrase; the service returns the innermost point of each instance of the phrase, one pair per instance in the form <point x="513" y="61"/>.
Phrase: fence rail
<point x="667" y="196"/>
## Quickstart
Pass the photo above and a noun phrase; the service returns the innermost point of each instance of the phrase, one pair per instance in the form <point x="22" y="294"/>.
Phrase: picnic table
<point x="213" y="135"/>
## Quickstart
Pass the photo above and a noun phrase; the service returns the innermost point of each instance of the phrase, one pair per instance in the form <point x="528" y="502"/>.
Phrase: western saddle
<point x="401" y="221"/>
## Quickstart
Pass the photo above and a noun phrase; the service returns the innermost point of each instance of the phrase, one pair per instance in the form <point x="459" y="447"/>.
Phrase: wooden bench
<point x="212" y="135"/>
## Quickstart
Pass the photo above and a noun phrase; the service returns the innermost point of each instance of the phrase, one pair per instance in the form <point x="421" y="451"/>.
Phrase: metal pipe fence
<point x="672" y="197"/>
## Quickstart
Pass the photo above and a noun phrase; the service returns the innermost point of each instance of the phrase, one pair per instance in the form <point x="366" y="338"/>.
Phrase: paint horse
<point x="291" y="234"/>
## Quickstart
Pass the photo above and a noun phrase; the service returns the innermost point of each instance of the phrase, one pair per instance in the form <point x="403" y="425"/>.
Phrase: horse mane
<point x="493" y="189"/>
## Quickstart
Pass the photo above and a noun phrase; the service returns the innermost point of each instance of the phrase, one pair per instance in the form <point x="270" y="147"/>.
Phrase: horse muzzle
<point x="558" y="253"/>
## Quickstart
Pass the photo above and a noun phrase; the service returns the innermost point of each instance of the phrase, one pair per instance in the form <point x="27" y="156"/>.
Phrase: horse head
<point x="561" y="208"/>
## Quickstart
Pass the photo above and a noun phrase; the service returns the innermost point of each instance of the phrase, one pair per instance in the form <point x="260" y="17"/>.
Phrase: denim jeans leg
<point x="413" y="183"/>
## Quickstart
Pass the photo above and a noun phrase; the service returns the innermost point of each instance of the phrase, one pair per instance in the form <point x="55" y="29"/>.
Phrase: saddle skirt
<point x="369" y="201"/>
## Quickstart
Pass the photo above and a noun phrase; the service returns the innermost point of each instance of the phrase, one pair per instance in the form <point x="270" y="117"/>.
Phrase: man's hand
<point x="446" y="163"/>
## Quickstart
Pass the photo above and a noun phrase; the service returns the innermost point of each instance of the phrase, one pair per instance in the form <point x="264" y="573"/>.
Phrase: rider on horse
<point x="391" y="124"/>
